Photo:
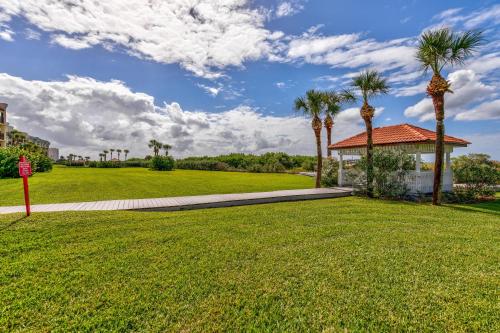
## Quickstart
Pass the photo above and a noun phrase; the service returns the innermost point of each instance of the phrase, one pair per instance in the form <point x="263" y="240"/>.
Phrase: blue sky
<point x="216" y="77"/>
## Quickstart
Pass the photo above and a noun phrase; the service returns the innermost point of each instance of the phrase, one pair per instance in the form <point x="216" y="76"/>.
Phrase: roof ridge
<point x="415" y="131"/>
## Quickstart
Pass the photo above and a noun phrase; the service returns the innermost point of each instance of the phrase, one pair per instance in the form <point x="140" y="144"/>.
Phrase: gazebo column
<point x="417" y="161"/>
<point x="448" y="161"/>
<point x="341" y="169"/>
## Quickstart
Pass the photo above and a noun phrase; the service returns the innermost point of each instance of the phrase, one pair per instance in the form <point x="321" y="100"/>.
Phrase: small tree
<point x="111" y="153"/>
<point x="475" y="175"/>
<point x="370" y="84"/>
<point x="126" y="151"/>
<point x="437" y="49"/>
<point x="118" y="151"/>
<point x="105" y="152"/>
<point x="312" y="105"/>
<point x="156" y="145"/>
<point x="166" y="147"/>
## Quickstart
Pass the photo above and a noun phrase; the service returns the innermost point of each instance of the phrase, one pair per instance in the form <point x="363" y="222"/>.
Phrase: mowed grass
<point x="346" y="264"/>
<point x="90" y="184"/>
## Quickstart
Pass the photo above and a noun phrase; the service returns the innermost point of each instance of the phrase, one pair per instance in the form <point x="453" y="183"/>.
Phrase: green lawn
<point x="89" y="184"/>
<point x="347" y="264"/>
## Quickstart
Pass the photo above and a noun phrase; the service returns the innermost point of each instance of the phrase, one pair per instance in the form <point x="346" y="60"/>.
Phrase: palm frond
<point x="464" y="45"/>
<point x="370" y="83"/>
<point x="311" y="104"/>
<point x="437" y="48"/>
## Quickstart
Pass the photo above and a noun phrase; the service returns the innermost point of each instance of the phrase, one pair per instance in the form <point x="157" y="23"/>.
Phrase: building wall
<point x="3" y="125"/>
<point x="54" y="154"/>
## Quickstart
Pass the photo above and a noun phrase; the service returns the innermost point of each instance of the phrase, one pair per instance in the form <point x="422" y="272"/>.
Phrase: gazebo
<point x="409" y="138"/>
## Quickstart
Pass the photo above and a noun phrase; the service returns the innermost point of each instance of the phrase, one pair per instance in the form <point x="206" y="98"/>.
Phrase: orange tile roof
<point x="403" y="133"/>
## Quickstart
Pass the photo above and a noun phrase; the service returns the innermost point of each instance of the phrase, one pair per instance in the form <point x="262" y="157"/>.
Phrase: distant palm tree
<point x="334" y="102"/>
<point x="312" y="105"/>
<point x="87" y="158"/>
<point x="166" y="147"/>
<point x="126" y="151"/>
<point x="156" y="145"/>
<point x="370" y="84"/>
<point x="101" y="155"/>
<point x="118" y="151"/>
<point x="111" y="153"/>
<point x="105" y="152"/>
<point x="437" y="49"/>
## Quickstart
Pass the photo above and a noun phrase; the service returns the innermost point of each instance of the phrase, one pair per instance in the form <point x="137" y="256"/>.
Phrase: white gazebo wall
<point x="418" y="181"/>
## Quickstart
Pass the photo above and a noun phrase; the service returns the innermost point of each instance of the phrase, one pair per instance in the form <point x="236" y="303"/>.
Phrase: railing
<point x="417" y="182"/>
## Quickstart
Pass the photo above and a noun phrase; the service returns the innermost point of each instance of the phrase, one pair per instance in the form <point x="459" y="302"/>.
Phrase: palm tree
<point x="334" y="101"/>
<point x="156" y="145"/>
<point x="101" y="155"/>
<point x="166" y="147"/>
<point x="370" y="84"/>
<point x="105" y="152"/>
<point x="118" y="151"/>
<point x="437" y="49"/>
<point x="111" y="153"/>
<point x="126" y="151"/>
<point x="312" y="105"/>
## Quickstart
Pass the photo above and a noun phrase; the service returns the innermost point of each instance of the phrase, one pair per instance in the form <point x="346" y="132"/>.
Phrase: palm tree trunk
<point x="328" y="141"/>
<point x="369" y="158"/>
<point x="438" y="102"/>
<point x="319" y="165"/>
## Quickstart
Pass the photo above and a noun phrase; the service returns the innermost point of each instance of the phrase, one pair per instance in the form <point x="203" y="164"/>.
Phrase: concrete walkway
<point x="191" y="202"/>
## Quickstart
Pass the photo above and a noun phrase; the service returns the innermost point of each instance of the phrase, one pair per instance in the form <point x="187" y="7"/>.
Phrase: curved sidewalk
<point x="190" y="202"/>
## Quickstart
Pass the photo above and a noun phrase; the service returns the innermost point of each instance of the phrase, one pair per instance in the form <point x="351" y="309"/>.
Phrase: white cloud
<point x="484" y="111"/>
<point x="202" y="36"/>
<point x="288" y="8"/>
<point x="32" y="34"/>
<point x="467" y="90"/>
<point x="454" y="17"/>
<point x="353" y="51"/>
<point x="213" y="91"/>
<point x="7" y="35"/>
<point x="280" y="85"/>
<point x="84" y="116"/>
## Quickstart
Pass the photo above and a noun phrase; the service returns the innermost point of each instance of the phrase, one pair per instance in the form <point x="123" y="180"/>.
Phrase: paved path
<point x="192" y="202"/>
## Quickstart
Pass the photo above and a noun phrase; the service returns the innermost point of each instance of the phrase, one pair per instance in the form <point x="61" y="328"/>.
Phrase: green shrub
<point x="136" y="163"/>
<point x="105" y="164"/>
<point x="390" y="169"/>
<point x="268" y="162"/>
<point x="309" y="165"/>
<point x="9" y="159"/>
<point x="476" y="175"/>
<point x="330" y="173"/>
<point x="162" y="163"/>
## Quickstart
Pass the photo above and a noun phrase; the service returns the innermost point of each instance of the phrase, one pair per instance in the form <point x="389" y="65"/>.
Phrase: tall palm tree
<point x="101" y="155"/>
<point x="166" y="147"/>
<point x="437" y="49"/>
<point x="111" y="153"/>
<point x="126" y="151"/>
<point x="118" y="151"/>
<point x="156" y="145"/>
<point x="370" y="84"/>
<point x="334" y="102"/>
<point x="312" y="105"/>
<point x="105" y="152"/>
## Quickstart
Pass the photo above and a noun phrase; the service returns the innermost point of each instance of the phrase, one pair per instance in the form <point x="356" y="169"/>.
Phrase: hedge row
<point x="9" y="159"/>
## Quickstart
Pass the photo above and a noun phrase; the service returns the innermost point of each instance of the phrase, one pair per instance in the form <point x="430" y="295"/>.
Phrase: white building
<point x="409" y="138"/>
<point x="53" y="154"/>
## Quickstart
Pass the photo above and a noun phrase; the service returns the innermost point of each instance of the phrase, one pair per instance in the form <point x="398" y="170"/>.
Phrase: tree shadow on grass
<point x="11" y="224"/>
<point x="490" y="207"/>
